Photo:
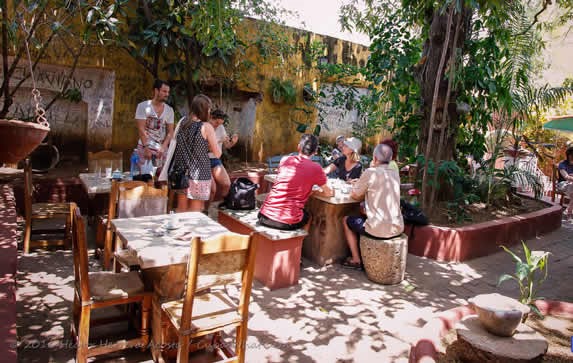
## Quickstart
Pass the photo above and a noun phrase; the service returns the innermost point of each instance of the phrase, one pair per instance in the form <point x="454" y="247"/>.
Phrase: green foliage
<point x="73" y="25"/>
<point x="530" y="273"/>
<point x="190" y="40"/>
<point x="395" y="94"/>
<point x="282" y="91"/>
<point x="496" y="186"/>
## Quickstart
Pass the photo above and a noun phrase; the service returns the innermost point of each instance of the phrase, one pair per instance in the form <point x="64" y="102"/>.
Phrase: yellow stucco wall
<point x="275" y="129"/>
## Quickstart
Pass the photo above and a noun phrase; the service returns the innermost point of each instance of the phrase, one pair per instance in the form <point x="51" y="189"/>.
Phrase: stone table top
<point x="155" y="245"/>
<point x="95" y="184"/>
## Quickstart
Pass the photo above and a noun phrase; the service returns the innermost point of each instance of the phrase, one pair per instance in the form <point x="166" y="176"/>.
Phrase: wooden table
<point x="326" y="243"/>
<point x="163" y="259"/>
<point x="95" y="184"/>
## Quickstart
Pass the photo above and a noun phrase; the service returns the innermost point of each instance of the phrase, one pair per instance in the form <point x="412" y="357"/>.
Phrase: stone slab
<point x="525" y="345"/>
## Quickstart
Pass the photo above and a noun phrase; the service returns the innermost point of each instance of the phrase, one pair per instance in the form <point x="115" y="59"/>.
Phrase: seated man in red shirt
<point x="297" y="174"/>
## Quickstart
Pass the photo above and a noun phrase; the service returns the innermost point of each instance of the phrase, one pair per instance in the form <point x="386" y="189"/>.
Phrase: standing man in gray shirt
<point x="155" y="125"/>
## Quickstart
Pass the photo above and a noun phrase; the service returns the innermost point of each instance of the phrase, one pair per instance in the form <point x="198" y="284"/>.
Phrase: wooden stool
<point x="384" y="260"/>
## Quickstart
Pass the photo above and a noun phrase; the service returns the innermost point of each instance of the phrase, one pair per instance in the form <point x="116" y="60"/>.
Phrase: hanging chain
<point x="39" y="110"/>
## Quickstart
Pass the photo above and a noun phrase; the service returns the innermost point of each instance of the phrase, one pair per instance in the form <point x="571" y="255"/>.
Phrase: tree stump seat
<point x="384" y="259"/>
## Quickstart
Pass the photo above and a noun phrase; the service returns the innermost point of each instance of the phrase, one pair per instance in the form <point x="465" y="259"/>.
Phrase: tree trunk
<point x="440" y="123"/>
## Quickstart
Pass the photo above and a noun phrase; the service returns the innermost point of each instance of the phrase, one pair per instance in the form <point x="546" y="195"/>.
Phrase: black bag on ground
<point x="241" y="194"/>
<point x="413" y="215"/>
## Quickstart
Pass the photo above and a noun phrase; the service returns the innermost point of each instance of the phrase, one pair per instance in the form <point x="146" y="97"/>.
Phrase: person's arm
<point x="229" y="143"/>
<point x="208" y="133"/>
<point x="143" y="137"/>
<point x="565" y="176"/>
<point x="329" y="169"/>
<point x="333" y="166"/>
<point x="359" y="187"/>
<point x="325" y="191"/>
<point x="168" y="137"/>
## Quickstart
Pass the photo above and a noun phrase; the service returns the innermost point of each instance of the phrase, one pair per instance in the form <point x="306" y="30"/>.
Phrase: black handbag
<point x="242" y="195"/>
<point x="178" y="176"/>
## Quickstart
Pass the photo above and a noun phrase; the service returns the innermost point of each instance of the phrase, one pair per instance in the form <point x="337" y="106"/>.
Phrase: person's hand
<point x="352" y="181"/>
<point x="161" y="152"/>
<point x="147" y="153"/>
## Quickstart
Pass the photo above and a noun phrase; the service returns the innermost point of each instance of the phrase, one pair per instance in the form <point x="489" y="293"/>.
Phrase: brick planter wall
<point x="481" y="239"/>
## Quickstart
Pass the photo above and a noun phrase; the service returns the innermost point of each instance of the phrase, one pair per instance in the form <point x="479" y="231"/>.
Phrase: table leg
<point x="326" y="243"/>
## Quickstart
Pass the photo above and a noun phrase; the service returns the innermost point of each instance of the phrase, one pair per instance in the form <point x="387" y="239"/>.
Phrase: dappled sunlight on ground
<point x="333" y="315"/>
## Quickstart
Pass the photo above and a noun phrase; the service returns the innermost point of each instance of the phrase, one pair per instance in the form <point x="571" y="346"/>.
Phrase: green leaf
<point x="513" y="255"/>
<point x="505" y="277"/>
<point x="527" y="252"/>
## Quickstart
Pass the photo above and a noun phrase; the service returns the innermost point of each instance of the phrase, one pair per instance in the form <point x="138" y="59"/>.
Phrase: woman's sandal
<point x="352" y="265"/>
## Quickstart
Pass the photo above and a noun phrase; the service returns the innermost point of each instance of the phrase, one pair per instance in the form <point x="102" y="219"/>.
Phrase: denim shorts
<point x="215" y="162"/>
<point x="356" y="225"/>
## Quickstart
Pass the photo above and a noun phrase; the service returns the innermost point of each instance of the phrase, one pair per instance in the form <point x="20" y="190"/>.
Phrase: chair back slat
<point x="220" y="269"/>
<point x="273" y="162"/>
<point x="105" y="159"/>
<point x="136" y="199"/>
<point x="80" y="252"/>
<point x="223" y="259"/>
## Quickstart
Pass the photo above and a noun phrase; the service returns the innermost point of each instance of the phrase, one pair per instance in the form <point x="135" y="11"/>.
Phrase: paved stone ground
<point x="333" y="315"/>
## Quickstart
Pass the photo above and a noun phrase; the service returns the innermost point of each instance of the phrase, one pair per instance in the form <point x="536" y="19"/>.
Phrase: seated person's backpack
<point x="413" y="215"/>
<point x="241" y="195"/>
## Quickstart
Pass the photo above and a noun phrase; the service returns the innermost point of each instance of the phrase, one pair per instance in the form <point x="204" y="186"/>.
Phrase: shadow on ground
<point x="333" y="315"/>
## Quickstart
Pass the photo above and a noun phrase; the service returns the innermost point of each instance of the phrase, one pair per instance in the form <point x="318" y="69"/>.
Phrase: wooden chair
<point x="56" y="226"/>
<point x="104" y="159"/>
<point x="95" y="290"/>
<point x="318" y="159"/>
<point x="273" y="163"/>
<point x="127" y="200"/>
<point x="224" y="259"/>
<point x="555" y="192"/>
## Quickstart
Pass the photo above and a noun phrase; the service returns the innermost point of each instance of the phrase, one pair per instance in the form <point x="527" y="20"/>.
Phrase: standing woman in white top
<point x="220" y="177"/>
<point x="155" y="125"/>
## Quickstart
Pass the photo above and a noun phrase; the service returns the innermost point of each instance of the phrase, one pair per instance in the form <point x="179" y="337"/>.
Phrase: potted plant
<point x="283" y="91"/>
<point x="28" y="29"/>
<point x="529" y="274"/>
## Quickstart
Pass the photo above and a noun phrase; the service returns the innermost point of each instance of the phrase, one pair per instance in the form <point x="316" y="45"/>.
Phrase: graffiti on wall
<point x="337" y="120"/>
<point x="97" y="92"/>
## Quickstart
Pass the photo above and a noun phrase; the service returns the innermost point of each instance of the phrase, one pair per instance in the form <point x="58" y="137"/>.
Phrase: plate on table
<point x="171" y="227"/>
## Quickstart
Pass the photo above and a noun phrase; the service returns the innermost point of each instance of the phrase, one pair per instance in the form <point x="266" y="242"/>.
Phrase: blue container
<point x="134" y="163"/>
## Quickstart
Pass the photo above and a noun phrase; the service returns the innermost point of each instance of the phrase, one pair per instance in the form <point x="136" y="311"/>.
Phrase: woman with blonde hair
<point x="347" y="166"/>
<point x="195" y="138"/>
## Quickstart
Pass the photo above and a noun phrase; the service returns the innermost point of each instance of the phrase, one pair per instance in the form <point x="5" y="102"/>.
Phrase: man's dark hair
<point x="308" y="144"/>
<point x="218" y="114"/>
<point x="568" y="152"/>
<point x="158" y="83"/>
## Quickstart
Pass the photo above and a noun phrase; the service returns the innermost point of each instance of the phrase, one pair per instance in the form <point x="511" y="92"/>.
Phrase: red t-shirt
<point x="296" y="176"/>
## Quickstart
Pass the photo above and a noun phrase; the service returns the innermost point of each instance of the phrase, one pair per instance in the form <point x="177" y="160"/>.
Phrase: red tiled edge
<point x="425" y="350"/>
<point x="8" y="259"/>
<point x="481" y="239"/>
